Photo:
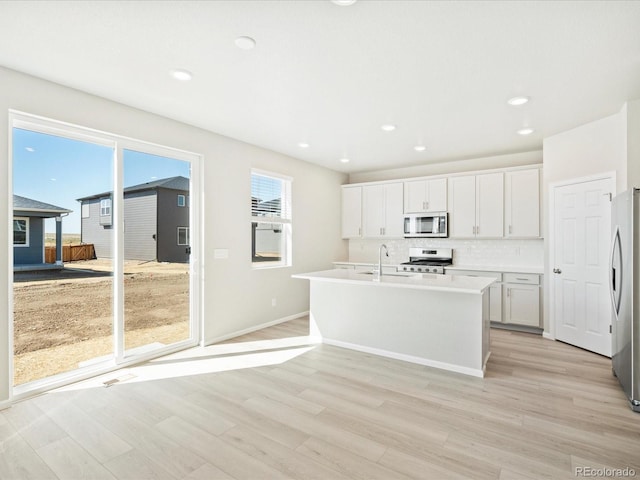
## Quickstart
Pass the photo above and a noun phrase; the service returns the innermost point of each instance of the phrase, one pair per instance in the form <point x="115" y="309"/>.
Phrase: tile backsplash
<point x="471" y="252"/>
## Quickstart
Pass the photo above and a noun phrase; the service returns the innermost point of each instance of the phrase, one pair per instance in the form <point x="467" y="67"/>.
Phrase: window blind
<point x="270" y="197"/>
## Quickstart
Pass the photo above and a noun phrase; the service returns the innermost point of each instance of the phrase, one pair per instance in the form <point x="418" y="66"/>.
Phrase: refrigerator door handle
<point x="615" y="280"/>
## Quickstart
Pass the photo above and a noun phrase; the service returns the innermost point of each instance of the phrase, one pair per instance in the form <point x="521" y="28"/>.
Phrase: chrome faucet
<point x="386" y="251"/>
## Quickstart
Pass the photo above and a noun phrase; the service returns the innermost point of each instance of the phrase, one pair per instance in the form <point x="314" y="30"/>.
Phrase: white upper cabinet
<point x="382" y="207"/>
<point x="462" y="206"/>
<point x="476" y="206"/>
<point x="522" y="203"/>
<point x="351" y="212"/>
<point x="425" y="196"/>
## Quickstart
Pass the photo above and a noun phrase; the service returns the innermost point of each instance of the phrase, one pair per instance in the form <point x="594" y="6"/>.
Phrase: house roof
<point x="171" y="183"/>
<point x="25" y="204"/>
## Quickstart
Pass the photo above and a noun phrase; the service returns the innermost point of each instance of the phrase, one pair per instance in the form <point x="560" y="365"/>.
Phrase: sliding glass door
<point x="62" y="307"/>
<point x="155" y="200"/>
<point x="103" y="252"/>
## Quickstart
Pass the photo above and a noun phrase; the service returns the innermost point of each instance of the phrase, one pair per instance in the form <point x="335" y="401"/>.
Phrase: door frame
<point x="18" y="119"/>
<point x="549" y="282"/>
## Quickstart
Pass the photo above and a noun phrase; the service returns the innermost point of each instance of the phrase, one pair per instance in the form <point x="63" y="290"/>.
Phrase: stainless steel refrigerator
<point x="625" y="293"/>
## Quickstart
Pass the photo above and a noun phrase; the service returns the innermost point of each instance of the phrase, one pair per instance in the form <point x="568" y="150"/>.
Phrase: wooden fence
<point x="70" y="253"/>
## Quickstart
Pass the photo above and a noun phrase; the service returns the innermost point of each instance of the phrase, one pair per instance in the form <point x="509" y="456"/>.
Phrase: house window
<point x="105" y="207"/>
<point x="183" y="235"/>
<point x="20" y="232"/>
<point x="270" y="220"/>
<point x="182" y="201"/>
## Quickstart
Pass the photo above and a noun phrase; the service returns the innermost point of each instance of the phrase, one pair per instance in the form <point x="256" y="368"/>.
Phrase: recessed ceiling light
<point x="303" y="145"/>
<point x="182" y="75"/>
<point x="245" y="43"/>
<point x="344" y="3"/>
<point x="388" y="127"/>
<point x="419" y="148"/>
<point x="517" y="101"/>
<point x="344" y="160"/>
<point x="525" y="131"/>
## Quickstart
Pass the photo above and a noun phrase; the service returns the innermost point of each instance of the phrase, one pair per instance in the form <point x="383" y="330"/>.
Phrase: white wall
<point x="590" y="149"/>
<point x="236" y="297"/>
<point x="439" y="168"/>
<point x="633" y="143"/>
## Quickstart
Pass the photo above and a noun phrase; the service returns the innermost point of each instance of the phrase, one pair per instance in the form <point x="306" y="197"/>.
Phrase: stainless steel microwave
<point x="426" y="225"/>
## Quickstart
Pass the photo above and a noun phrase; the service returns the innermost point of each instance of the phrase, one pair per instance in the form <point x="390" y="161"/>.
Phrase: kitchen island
<point x="440" y="321"/>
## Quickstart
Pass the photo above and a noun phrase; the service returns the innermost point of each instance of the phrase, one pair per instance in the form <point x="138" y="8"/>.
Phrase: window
<point x="105" y="207"/>
<point x="270" y="220"/>
<point x="20" y="232"/>
<point x="182" y="201"/>
<point x="183" y="235"/>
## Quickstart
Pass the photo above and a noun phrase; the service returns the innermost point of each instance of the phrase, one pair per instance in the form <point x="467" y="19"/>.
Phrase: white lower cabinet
<point x="521" y="304"/>
<point x="514" y="299"/>
<point x="495" y="303"/>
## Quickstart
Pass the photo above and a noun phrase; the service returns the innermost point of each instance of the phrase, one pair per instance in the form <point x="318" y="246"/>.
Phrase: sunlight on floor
<point x="201" y="360"/>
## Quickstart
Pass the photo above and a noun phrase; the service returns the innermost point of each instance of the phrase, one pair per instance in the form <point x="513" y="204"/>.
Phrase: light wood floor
<point x="543" y="410"/>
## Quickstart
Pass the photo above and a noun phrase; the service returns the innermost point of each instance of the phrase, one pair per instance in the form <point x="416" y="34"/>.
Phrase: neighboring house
<point x="266" y="238"/>
<point x="28" y="232"/>
<point x="156" y="221"/>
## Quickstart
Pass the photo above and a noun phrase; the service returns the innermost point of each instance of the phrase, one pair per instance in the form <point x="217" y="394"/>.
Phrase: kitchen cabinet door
<point x="437" y="201"/>
<point x="393" y="208"/>
<point x="490" y="205"/>
<point x="373" y="211"/>
<point x="521" y="304"/>
<point x="423" y="196"/>
<point x="522" y="203"/>
<point x="382" y="207"/>
<point x="462" y="205"/>
<point x="415" y="196"/>
<point x="351" y="212"/>
<point x="495" y="303"/>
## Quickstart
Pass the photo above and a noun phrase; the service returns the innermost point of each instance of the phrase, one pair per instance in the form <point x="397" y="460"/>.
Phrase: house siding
<point x="93" y="232"/>
<point x="140" y="214"/>
<point x="34" y="253"/>
<point x="170" y="217"/>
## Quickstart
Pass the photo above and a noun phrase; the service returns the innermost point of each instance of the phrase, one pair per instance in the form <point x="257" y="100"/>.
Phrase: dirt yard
<point x="62" y="319"/>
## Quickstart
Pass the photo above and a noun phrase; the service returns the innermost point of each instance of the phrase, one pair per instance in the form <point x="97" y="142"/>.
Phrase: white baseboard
<point x="548" y="336"/>
<point x="5" y="404"/>
<point x="407" y="358"/>
<point x="238" y="333"/>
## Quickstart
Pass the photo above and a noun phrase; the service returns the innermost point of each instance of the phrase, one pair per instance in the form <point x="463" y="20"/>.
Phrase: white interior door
<point x="580" y="245"/>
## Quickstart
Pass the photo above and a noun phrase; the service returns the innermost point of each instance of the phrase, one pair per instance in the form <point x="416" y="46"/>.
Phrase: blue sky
<point x="58" y="170"/>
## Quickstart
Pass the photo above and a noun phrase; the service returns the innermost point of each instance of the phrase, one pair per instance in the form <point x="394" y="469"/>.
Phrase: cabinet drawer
<point x="475" y="273"/>
<point x="529" y="278"/>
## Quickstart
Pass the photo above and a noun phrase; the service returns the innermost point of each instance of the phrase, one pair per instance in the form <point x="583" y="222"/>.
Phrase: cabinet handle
<point x="508" y="292"/>
<point x="426" y="205"/>
<point x="510" y="229"/>
<point x="522" y="279"/>
<point x="359" y="231"/>
<point x="474" y="229"/>
<point x="477" y="229"/>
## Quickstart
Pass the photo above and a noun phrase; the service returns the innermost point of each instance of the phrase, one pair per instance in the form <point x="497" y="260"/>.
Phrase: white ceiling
<point x="331" y="75"/>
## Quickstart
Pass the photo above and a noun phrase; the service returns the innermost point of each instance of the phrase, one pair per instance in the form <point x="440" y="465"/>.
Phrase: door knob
<point x="557" y="270"/>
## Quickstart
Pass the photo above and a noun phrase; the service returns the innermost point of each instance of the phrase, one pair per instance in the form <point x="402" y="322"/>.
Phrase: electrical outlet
<point x="274" y="302"/>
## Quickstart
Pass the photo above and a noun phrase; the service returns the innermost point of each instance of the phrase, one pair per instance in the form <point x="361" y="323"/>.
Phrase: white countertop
<point x="498" y="268"/>
<point x="444" y="283"/>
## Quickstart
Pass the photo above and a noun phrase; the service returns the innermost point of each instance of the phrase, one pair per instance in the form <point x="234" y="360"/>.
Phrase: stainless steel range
<point x="427" y="260"/>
